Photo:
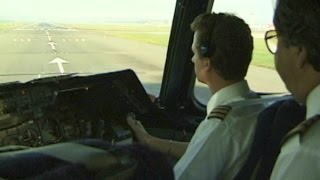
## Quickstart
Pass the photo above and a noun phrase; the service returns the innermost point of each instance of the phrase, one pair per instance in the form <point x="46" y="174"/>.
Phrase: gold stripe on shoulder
<point x="221" y="117"/>
<point x="301" y="128"/>
<point x="223" y="107"/>
<point x="220" y="112"/>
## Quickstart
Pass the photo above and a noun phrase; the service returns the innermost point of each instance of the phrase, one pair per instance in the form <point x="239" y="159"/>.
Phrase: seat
<point x="272" y="125"/>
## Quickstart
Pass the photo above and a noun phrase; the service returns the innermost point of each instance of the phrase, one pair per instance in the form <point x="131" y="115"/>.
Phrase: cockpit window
<point x="41" y="38"/>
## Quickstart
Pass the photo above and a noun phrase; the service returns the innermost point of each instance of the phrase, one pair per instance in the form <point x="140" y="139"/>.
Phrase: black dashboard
<point x="68" y="107"/>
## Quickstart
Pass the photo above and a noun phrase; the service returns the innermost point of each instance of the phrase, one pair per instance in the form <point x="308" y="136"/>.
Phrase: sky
<point x="257" y="11"/>
<point x="252" y="11"/>
<point x="76" y="10"/>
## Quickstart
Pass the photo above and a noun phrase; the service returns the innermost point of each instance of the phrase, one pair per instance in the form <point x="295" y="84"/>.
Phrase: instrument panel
<point x="63" y="108"/>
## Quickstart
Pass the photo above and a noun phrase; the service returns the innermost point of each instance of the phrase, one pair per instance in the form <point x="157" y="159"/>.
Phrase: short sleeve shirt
<point x="219" y="148"/>
<point x="300" y="156"/>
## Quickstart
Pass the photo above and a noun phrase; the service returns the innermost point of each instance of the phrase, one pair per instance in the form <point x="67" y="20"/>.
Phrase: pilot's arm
<point x="205" y="157"/>
<point x="170" y="147"/>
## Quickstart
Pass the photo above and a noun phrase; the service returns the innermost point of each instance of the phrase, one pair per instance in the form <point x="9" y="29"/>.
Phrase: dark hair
<point x="298" y="22"/>
<point x="227" y="41"/>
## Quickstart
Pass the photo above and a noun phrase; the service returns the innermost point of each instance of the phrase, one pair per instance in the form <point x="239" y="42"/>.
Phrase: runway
<point x="41" y="50"/>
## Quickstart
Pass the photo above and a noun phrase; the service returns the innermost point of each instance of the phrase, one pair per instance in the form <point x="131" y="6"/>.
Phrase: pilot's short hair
<point x="226" y="39"/>
<point x="298" y="23"/>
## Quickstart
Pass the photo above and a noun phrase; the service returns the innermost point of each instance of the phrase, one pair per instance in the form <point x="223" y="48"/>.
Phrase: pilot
<point x="222" y="47"/>
<point x="297" y="60"/>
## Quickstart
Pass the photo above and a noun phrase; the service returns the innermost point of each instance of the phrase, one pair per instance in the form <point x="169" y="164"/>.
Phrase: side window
<point x="261" y="76"/>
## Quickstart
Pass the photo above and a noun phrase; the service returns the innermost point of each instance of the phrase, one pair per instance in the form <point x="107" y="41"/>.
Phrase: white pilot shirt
<point x="300" y="158"/>
<point x="218" y="148"/>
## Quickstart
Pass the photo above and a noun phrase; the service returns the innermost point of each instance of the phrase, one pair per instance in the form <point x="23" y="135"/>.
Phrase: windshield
<point x="41" y="38"/>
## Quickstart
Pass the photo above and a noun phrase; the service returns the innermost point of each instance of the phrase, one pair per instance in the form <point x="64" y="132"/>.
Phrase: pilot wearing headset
<point x="222" y="48"/>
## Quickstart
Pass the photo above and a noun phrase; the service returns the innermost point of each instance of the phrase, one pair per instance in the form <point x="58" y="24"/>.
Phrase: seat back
<point x="272" y="125"/>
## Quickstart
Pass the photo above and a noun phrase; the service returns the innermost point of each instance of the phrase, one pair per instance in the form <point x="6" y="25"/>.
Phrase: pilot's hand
<point x="140" y="133"/>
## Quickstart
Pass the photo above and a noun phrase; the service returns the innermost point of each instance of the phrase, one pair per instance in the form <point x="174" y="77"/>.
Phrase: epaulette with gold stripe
<point x="220" y="112"/>
<point x="301" y="128"/>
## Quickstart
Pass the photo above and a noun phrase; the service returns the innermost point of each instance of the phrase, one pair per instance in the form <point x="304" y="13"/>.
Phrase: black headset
<point x="207" y="48"/>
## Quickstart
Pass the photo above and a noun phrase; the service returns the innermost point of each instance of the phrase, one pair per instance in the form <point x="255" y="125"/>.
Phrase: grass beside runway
<point x="155" y="34"/>
<point x="5" y="25"/>
<point x="158" y="39"/>
<point x="118" y="28"/>
<point x="160" y="35"/>
<point x="151" y="33"/>
<point x="261" y="56"/>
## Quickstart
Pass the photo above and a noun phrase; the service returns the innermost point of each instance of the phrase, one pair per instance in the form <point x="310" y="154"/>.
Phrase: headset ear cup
<point x="204" y="50"/>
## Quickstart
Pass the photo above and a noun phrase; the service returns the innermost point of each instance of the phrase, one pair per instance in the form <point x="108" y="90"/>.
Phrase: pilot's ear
<point x="301" y="54"/>
<point x="207" y="64"/>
